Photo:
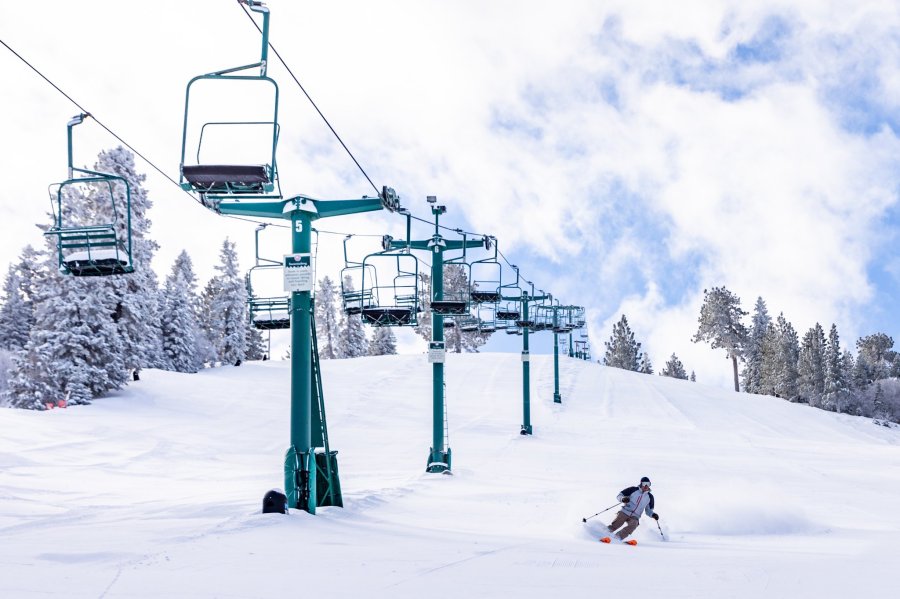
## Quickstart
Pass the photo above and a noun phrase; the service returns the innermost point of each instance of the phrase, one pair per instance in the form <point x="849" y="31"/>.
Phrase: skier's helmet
<point x="645" y="482"/>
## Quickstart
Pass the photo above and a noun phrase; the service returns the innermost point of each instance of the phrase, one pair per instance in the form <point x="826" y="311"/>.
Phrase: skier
<point x="636" y="499"/>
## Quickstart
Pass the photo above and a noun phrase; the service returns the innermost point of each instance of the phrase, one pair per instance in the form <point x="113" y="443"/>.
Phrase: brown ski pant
<point x="630" y="523"/>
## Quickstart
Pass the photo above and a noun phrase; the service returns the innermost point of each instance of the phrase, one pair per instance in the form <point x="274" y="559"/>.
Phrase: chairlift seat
<point x="272" y="321"/>
<point x="507" y="315"/>
<point x="387" y="316"/>
<point x="97" y="252"/>
<point x="522" y="324"/>
<point x="228" y="179"/>
<point x="485" y="297"/>
<point x="449" y="307"/>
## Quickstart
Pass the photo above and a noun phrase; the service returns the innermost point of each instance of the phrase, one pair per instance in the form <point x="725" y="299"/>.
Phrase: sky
<point x="156" y="490"/>
<point x="626" y="155"/>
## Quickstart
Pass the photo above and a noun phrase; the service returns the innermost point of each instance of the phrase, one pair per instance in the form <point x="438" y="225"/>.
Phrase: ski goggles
<point x="645" y="484"/>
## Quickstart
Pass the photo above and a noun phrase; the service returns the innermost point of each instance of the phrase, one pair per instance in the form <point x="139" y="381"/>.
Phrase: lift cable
<point x="171" y="180"/>
<point x="308" y="97"/>
<point x="98" y="121"/>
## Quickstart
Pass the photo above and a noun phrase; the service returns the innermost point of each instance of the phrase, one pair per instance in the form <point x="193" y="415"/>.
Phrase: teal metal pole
<point x="302" y="492"/>
<point x="439" y="460"/>
<point x="526" y="373"/>
<point x="571" y="350"/>
<point x="556" y="396"/>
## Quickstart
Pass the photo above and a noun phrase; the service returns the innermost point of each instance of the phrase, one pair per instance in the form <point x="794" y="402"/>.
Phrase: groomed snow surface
<point x="156" y="491"/>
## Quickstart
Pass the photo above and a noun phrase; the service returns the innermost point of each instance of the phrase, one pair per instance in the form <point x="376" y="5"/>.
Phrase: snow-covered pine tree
<point x="230" y="307"/>
<point x="622" y="351"/>
<point x="75" y="350"/>
<point x="837" y="387"/>
<point x="720" y="324"/>
<point x="781" y="352"/>
<point x="211" y="324"/>
<point x="15" y="314"/>
<point x="352" y="341"/>
<point x="646" y="366"/>
<point x="693" y="377"/>
<point x="754" y="348"/>
<point x="256" y="343"/>
<point x="674" y="369"/>
<point x="880" y="413"/>
<point x="811" y="366"/>
<point x="326" y="314"/>
<point x="137" y="314"/>
<point x="383" y="342"/>
<point x="179" y="325"/>
<point x="423" y="320"/>
<point x="873" y="349"/>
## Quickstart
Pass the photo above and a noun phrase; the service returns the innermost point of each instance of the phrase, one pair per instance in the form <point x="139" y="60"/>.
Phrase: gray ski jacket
<point x="638" y="501"/>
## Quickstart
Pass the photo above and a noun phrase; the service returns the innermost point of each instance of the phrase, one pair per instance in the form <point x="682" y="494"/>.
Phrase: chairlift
<point x="395" y="301"/>
<point x="486" y="276"/>
<point x="85" y="246"/>
<point x="455" y="303"/>
<point x="354" y="296"/>
<point x="217" y="181"/>
<point x="266" y="313"/>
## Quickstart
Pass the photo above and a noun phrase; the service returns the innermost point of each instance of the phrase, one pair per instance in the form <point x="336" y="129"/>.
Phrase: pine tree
<point x="229" y="304"/>
<point x="622" y="351"/>
<point x="674" y="369"/>
<point x="326" y="314"/>
<point x="423" y="320"/>
<point x="351" y="339"/>
<point x="15" y="314"/>
<point x="879" y="408"/>
<point x="136" y="312"/>
<point x="256" y="345"/>
<point x="754" y="347"/>
<point x="837" y="387"/>
<point x="720" y="324"/>
<point x="383" y="342"/>
<point x="693" y="377"/>
<point x="74" y="351"/>
<point x="646" y="366"/>
<point x="210" y="323"/>
<point x="179" y="325"/>
<point x="782" y="349"/>
<point x="874" y="349"/>
<point x="811" y="366"/>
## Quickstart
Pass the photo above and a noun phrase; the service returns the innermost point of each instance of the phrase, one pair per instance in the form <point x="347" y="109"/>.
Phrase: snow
<point x="156" y="491"/>
<point x="97" y="255"/>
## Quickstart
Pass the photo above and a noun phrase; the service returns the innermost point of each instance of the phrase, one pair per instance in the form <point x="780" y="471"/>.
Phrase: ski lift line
<point x="98" y="121"/>
<point x="308" y="97"/>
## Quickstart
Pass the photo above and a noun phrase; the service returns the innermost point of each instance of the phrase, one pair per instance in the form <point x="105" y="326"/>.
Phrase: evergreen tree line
<point x="71" y="339"/>
<point x="623" y="351"/>
<point x="814" y="369"/>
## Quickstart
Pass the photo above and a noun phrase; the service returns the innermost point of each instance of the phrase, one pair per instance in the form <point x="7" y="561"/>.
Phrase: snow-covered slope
<point x="156" y="491"/>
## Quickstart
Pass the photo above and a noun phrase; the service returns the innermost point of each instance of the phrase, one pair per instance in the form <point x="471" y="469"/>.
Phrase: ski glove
<point x="626" y="499"/>
<point x="655" y="516"/>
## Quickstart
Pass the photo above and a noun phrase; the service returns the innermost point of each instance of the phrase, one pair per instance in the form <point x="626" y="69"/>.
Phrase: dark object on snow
<point x="275" y="502"/>
<point x="238" y="363"/>
<point x="136" y="375"/>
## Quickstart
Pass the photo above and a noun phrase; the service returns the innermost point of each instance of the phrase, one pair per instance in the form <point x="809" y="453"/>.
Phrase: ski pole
<point x="660" y="531"/>
<point x="600" y="512"/>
